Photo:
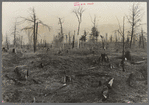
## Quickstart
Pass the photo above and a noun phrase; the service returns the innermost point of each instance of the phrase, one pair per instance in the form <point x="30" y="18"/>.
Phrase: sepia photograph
<point x="74" y="52"/>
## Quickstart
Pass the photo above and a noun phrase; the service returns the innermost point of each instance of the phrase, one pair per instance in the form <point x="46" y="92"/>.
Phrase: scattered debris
<point x="64" y="84"/>
<point x="36" y="82"/>
<point x="55" y="91"/>
<point x="111" y="66"/>
<point x="105" y="93"/>
<point x="144" y="58"/>
<point x="34" y="100"/>
<point x="18" y="83"/>
<point x="125" y="59"/>
<point x="40" y="65"/>
<point x="4" y="49"/>
<point x="91" y="68"/>
<point x="110" y="83"/>
<point x="59" y="52"/>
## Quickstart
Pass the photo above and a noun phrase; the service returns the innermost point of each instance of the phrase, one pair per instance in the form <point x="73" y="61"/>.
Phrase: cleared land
<point x="80" y="64"/>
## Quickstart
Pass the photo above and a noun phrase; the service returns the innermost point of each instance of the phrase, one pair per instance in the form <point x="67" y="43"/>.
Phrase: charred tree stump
<point x="4" y="49"/>
<point x="100" y="83"/>
<point x="67" y="79"/>
<point x="13" y="50"/>
<point x="21" y="73"/>
<point x="104" y="58"/>
<point x="41" y="65"/>
<point x="129" y="80"/>
<point x="48" y="49"/>
<point x="66" y="51"/>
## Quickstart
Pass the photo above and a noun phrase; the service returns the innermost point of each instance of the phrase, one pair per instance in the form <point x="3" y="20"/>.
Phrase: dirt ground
<point x="85" y="73"/>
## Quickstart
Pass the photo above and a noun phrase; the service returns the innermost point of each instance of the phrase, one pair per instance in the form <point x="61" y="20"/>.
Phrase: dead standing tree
<point x="7" y="44"/>
<point x="83" y="37"/>
<point x="78" y="12"/>
<point x="33" y="19"/>
<point x="73" y="40"/>
<point x="106" y="37"/>
<point x="103" y="42"/>
<point x="95" y="32"/>
<point x="116" y="37"/>
<point x="29" y="38"/>
<point x="111" y="38"/>
<point x="142" y="39"/>
<point x="134" y="19"/>
<point x="61" y="32"/>
<point x="122" y="34"/>
<point x="69" y="38"/>
<point x="15" y="32"/>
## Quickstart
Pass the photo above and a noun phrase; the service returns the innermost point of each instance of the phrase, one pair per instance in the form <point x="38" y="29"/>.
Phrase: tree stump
<point x="130" y="80"/>
<point x="21" y="72"/>
<point x="13" y="50"/>
<point x="128" y="55"/>
<point x="67" y="79"/>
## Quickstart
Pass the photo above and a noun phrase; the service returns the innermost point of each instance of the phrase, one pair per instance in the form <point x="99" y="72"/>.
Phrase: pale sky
<point x="49" y="12"/>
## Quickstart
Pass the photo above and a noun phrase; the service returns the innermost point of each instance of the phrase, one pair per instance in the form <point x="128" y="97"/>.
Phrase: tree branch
<point x="40" y="22"/>
<point x="119" y="25"/>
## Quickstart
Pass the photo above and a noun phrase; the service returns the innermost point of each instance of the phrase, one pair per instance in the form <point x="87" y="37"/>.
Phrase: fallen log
<point x="54" y="92"/>
<point x="138" y="62"/>
<point x="18" y="83"/>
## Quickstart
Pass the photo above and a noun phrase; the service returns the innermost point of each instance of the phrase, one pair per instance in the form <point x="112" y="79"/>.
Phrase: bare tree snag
<point x="73" y="41"/>
<point x="78" y="12"/>
<point x="7" y="42"/>
<point x="134" y="19"/>
<point x="35" y="22"/>
<point x="123" y="44"/>
<point x="69" y="38"/>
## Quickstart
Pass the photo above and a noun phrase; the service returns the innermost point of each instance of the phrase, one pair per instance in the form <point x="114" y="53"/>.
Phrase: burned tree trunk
<point x="142" y="38"/>
<point x="69" y="39"/>
<point x="73" y="40"/>
<point x="34" y="32"/>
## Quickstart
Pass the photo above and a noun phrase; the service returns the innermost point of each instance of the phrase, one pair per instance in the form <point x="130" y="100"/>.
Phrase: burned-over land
<point x="47" y="69"/>
<point x="56" y="53"/>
